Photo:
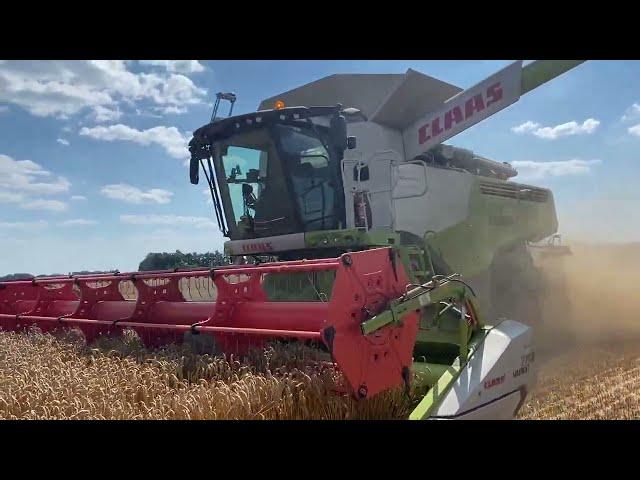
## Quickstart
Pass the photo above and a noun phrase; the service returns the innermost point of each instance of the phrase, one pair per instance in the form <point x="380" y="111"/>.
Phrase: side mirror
<point x="338" y="132"/>
<point x="351" y="143"/>
<point x="194" y="170"/>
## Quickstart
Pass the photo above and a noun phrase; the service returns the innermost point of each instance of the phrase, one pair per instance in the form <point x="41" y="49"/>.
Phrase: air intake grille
<point x="515" y="190"/>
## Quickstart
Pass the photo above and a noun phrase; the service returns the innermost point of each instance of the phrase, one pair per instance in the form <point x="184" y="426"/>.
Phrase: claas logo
<point x="493" y="382"/>
<point x="460" y="113"/>
<point x="257" y="247"/>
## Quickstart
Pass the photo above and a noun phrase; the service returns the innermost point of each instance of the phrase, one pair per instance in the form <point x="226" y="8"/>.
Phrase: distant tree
<point x="168" y="261"/>
<point x="28" y="276"/>
<point x="153" y="261"/>
<point x="16" y="276"/>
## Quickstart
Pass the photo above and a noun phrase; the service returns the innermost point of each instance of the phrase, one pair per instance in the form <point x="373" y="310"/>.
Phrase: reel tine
<point x="189" y="288"/>
<point x="206" y="290"/>
<point x="199" y="286"/>
<point x="212" y="290"/>
<point x="194" y="289"/>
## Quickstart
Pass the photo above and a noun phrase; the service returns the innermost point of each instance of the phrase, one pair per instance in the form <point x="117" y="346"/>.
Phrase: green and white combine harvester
<point x="351" y="163"/>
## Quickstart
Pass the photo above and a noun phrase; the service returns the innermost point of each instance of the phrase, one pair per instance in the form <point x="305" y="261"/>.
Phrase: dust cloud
<point x="591" y="296"/>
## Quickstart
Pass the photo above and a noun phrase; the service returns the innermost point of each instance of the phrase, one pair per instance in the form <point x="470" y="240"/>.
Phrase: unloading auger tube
<point x="368" y="324"/>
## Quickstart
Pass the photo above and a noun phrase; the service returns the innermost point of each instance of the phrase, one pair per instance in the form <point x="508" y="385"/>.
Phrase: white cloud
<point x="19" y="179"/>
<point x="145" y="113"/>
<point x="587" y="127"/>
<point x="27" y="177"/>
<point x="78" y="197"/>
<point x="538" y="170"/>
<point x="169" y="138"/>
<point x="66" y="129"/>
<point x="23" y="225"/>
<point x="48" y="98"/>
<point x="130" y="194"/>
<point x="63" y="88"/>
<point x="180" y="66"/>
<point x="40" y="204"/>
<point x="635" y="130"/>
<point x="77" y="222"/>
<point x="175" y="90"/>
<point x="10" y="197"/>
<point x="174" y="220"/>
<point x="171" y="109"/>
<point x="62" y="141"/>
<point x="526" y="127"/>
<point x="631" y="113"/>
<point x="105" y="114"/>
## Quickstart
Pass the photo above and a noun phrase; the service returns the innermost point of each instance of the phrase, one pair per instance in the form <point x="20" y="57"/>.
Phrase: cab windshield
<point x="278" y="179"/>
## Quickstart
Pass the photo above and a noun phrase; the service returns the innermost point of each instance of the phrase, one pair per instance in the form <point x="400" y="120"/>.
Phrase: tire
<point x="516" y="287"/>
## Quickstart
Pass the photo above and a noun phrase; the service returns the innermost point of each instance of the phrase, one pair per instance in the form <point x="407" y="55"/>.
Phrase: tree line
<point x="153" y="261"/>
<point x="169" y="261"/>
<point x="28" y="276"/>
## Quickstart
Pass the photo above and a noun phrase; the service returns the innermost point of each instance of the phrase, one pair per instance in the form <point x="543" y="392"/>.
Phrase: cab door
<point x="368" y="190"/>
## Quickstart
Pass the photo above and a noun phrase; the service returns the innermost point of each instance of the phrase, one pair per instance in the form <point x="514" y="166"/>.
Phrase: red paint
<point x="454" y="116"/>
<point x="241" y="317"/>
<point x="473" y="105"/>
<point x="494" y="93"/>
<point x="493" y="382"/>
<point x="423" y="134"/>
<point x="257" y="247"/>
<point x="435" y="127"/>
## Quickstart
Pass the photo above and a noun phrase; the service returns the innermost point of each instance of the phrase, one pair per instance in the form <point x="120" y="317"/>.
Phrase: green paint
<point x="494" y="223"/>
<point x="442" y="377"/>
<point x="350" y="238"/>
<point x="416" y="299"/>
<point x="541" y="71"/>
<point x="430" y="401"/>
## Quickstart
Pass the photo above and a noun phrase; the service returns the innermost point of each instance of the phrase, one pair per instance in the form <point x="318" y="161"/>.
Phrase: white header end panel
<point x="490" y="385"/>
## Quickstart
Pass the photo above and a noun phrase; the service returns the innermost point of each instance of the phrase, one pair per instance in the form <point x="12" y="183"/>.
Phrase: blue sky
<point x="92" y="154"/>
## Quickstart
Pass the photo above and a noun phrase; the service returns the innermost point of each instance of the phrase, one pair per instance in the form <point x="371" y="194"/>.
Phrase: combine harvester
<point x="350" y="225"/>
<point x="552" y="247"/>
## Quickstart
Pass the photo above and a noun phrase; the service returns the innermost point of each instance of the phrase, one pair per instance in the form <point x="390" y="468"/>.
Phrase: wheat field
<point x="594" y="375"/>
<point x="590" y="339"/>
<point x="593" y="382"/>
<point x="44" y="376"/>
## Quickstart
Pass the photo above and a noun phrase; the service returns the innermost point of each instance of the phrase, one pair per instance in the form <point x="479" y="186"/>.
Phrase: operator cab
<point x="275" y="172"/>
